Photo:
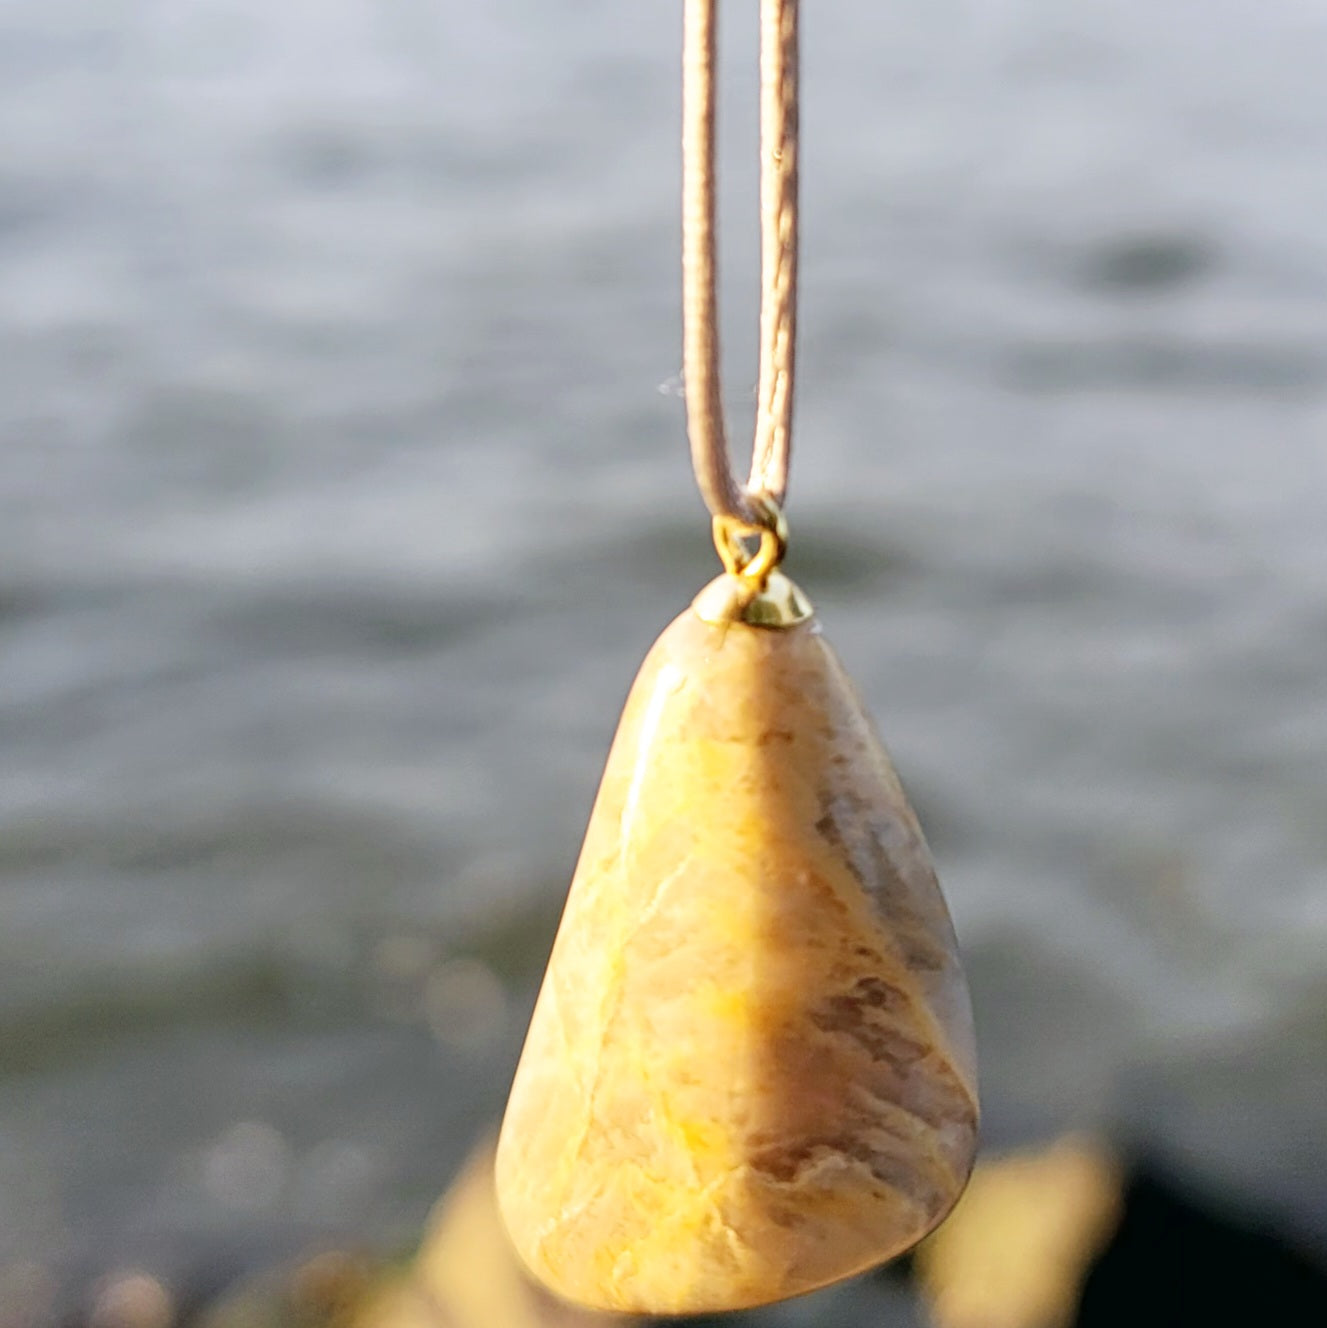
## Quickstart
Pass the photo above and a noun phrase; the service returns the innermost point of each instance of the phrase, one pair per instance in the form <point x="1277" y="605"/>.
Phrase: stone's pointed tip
<point x="750" y="1071"/>
<point x="729" y="599"/>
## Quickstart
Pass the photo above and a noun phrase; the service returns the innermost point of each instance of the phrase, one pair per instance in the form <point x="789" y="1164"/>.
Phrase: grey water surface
<point x="343" y="486"/>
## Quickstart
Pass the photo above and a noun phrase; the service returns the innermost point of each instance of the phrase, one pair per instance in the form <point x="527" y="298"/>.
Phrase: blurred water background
<point x="343" y="487"/>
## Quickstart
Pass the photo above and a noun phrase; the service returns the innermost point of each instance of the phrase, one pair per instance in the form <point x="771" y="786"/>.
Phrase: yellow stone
<point x="750" y="1070"/>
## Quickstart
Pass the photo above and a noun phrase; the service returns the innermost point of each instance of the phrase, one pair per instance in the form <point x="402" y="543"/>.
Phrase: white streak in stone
<point x="669" y="680"/>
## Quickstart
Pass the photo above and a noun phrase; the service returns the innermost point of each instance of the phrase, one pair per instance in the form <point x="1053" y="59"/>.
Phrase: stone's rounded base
<point x="750" y="1070"/>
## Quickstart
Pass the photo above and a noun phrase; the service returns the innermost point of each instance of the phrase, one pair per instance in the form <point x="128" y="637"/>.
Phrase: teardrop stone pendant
<point x="750" y="1070"/>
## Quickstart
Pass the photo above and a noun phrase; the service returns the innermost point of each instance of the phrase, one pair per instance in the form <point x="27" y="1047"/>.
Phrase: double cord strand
<point x="768" y="482"/>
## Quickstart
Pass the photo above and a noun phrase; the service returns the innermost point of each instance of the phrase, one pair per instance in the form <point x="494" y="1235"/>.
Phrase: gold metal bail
<point x="730" y="536"/>
<point x="752" y="589"/>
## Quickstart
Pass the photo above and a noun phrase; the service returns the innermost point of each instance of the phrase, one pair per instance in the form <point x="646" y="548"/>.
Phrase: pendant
<point x="750" y="1071"/>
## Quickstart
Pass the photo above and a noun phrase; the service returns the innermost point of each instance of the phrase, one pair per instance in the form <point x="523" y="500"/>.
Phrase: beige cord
<point x="757" y="504"/>
<point x="778" y="246"/>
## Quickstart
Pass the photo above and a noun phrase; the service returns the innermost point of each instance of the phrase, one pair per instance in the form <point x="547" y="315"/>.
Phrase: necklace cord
<point x="756" y="504"/>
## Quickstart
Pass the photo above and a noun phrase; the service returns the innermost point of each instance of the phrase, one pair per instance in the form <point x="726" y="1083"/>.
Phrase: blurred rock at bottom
<point x="1015" y="1250"/>
<point x="1064" y="1236"/>
<point x="463" y="1276"/>
<point x="1069" y="1237"/>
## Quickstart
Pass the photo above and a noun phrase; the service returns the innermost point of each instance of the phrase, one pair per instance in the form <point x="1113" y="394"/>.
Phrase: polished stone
<point x="750" y="1070"/>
